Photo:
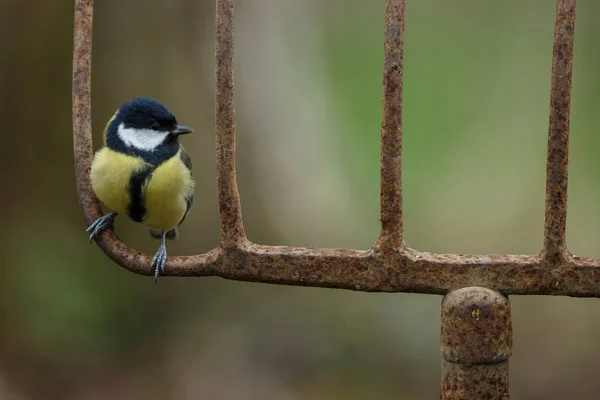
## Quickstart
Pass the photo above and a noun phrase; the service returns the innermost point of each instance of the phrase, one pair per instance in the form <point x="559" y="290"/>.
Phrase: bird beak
<point x="181" y="130"/>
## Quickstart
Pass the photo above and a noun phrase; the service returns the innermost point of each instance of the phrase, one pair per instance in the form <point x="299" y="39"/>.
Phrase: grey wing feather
<point x="189" y="199"/>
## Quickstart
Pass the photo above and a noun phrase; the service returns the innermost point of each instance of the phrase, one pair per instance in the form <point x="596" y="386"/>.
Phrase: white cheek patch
<point x="142" y="139"/>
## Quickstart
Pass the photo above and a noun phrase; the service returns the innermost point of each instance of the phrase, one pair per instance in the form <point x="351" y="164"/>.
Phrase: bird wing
<point x="104" y="132"/>
<point x="189" y="198"/>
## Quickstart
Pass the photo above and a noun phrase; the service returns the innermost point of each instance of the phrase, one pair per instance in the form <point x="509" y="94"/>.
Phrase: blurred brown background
<point x="308" y="78"/>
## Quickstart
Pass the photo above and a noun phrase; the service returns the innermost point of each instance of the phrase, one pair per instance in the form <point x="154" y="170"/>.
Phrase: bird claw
<point x="101" y="224"/>
<point x="159" y="262"/>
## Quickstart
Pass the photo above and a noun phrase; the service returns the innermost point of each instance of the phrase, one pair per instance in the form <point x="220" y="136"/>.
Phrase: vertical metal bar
<point x="391" y="128"/>
<point x="82" y="107"/>
<point x="555" y="247"/>
<point x="232" y="227"/>
<point x="476" y="343"/>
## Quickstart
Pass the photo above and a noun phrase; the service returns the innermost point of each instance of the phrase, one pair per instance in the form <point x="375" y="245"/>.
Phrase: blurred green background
<point x="308" y="80"/>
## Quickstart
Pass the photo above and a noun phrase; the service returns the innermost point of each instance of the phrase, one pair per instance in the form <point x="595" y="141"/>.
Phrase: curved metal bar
<point x="108" y="241"/>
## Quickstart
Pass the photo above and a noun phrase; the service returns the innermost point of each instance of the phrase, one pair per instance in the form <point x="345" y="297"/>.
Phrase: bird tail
<point x="171" y="235"/>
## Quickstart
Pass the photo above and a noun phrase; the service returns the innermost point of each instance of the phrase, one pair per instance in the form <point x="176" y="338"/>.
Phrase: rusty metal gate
<point x="476" y="332"/>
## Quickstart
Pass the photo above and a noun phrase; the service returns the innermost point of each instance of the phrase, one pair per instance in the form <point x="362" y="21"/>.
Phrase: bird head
<point x="144" y="125"/>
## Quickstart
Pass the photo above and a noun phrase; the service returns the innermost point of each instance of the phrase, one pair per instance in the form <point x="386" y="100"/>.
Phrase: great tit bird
<point x="142" y="171"/>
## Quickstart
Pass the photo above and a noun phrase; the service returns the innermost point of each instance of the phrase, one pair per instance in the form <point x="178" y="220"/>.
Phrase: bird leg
<point x="159" y="262"/>
<point x="101" y="224"/>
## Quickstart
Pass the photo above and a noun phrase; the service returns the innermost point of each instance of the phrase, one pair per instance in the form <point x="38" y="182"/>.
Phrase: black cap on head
<point x="147" y="113"/>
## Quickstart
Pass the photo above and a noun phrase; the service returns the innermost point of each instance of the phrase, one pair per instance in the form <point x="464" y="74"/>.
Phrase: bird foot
<point x="159" y="262"/>
<point x="101" y="224"/>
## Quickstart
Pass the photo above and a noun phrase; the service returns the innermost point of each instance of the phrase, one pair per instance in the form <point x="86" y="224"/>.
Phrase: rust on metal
<point x="476" y="326"/>
<point x="461" y="382"/>
<point x="81" y="101"/>
<point x="230" y="210"/>
<point x="391" y="128"/>
<point x="388" y="266"/>
<point x="82" y="118"/>
<point x="555" y="247"/>
<point x="476" y="343"/>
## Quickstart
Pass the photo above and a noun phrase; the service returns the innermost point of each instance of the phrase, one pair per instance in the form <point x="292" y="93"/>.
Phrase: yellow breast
<point x="110" y="175"/>
<point x="164" y="194"/>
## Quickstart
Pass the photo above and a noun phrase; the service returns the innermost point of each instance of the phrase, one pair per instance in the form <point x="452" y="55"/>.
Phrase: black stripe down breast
<point x="137" y="203"/>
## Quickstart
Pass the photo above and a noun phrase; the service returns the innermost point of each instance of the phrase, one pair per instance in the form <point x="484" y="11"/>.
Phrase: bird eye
<point x="155" y="126"/>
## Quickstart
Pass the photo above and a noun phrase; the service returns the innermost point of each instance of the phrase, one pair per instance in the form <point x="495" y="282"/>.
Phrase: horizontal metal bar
<point x="406" y="270"/>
